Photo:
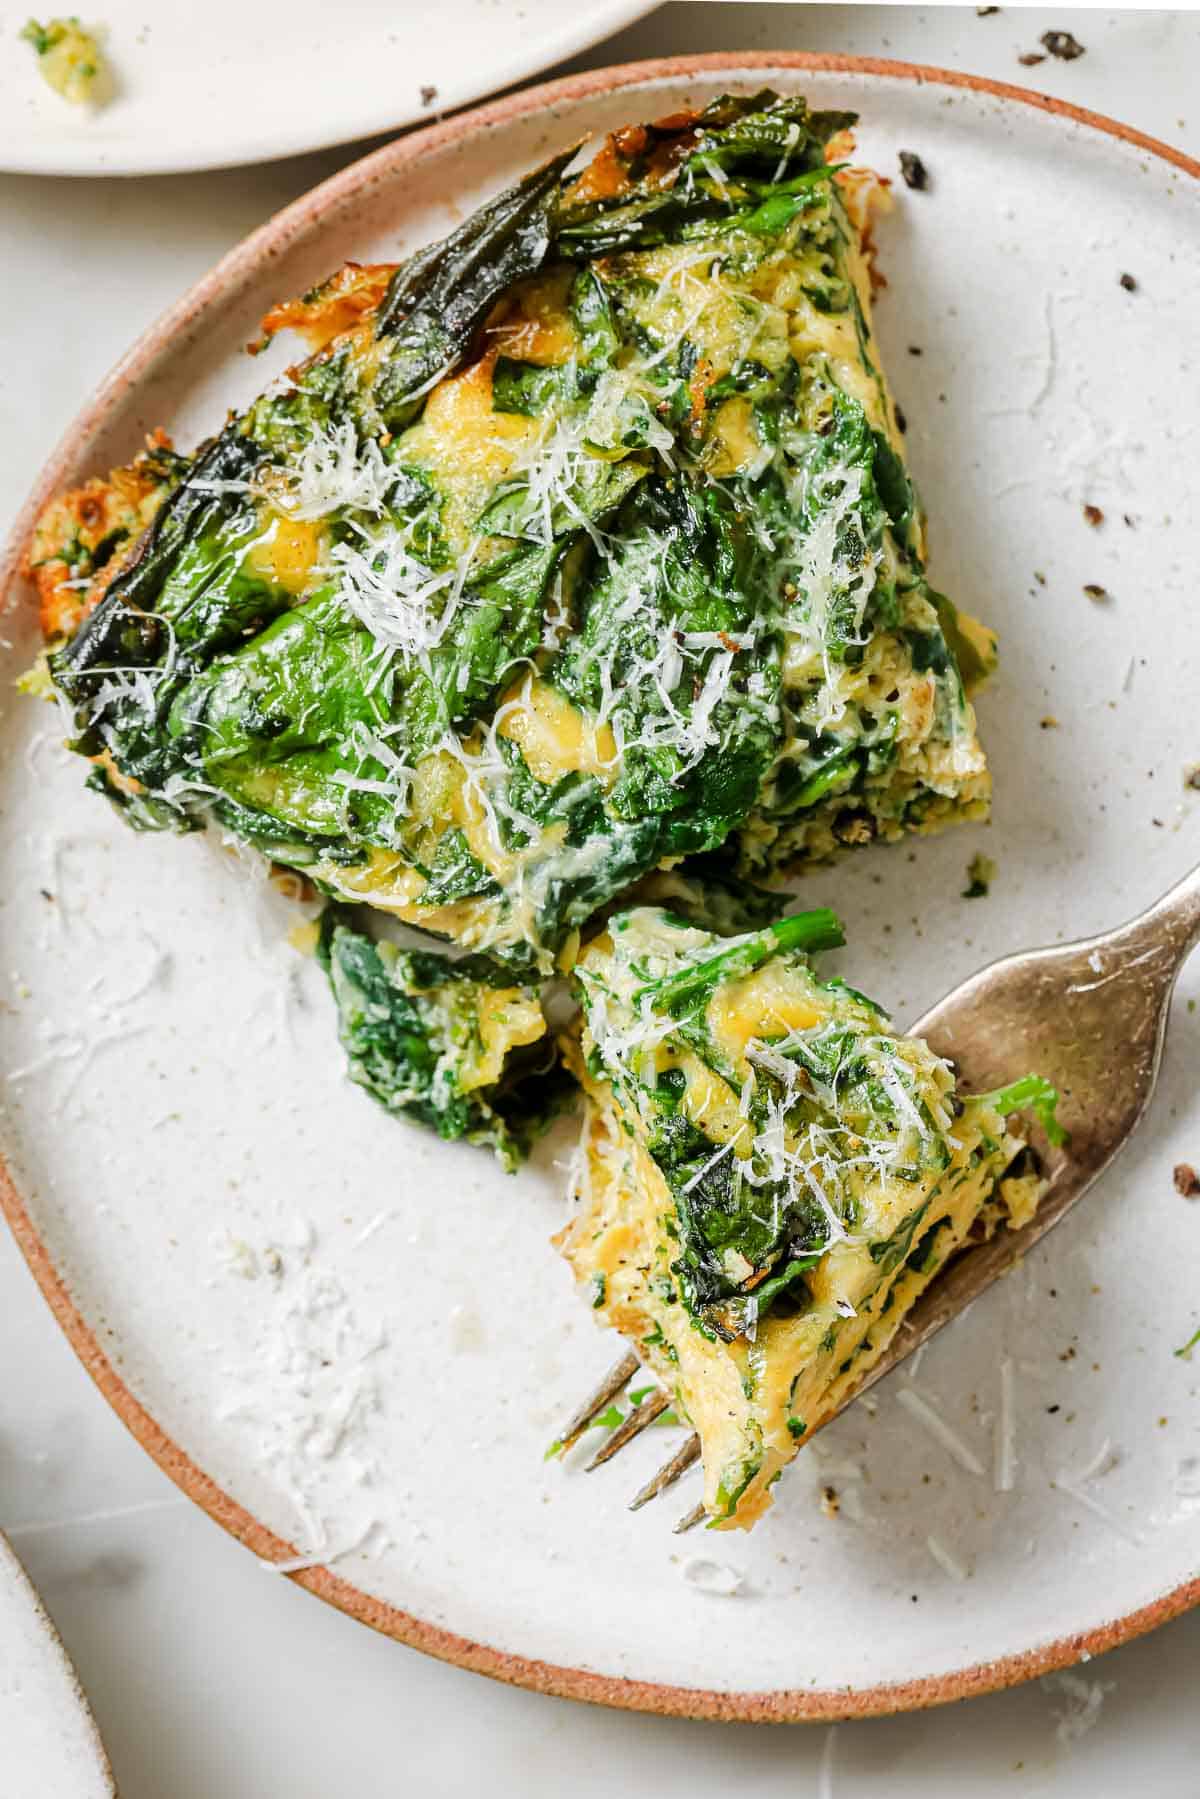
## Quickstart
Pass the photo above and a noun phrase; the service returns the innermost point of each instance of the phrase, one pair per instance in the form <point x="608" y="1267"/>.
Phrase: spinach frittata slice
<point x="583" y="542"/>
<point x="453" y="1044"/>
<point x="769" y="1178"/>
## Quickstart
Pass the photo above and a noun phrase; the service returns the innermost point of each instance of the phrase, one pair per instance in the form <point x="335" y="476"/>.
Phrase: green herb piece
<point x="805" y="932"/>
<point x="524" y="387"/>
<point x="981" y="872"/>
<point x="42" y="37"/>
<point x="440" y="296"/>
<point x="1036" y="1094"/>
<point x="784" y="1280"/>
<point x="895" y="1249"/>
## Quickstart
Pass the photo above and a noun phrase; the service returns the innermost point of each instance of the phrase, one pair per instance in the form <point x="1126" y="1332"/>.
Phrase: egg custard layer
<point x="769" y="1178"/>
<point x="582" y="543"/>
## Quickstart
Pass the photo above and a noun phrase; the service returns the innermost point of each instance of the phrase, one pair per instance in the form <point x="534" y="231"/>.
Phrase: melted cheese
<point x="555" y="738"/>
<point x="537" y="326"/>
<point x="734" y="442"/>
<point x="507" y="1019"/>
<point x="288" y="553"/>
<point x="467" y="448"/>
<point x="391" y="885"/>
<point x="763" y="1004"/>
<point x="708" y="1101"/>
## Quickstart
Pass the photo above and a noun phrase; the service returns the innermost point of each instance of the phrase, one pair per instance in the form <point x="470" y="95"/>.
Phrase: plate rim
<point x="619" y="15"/>
<point x="12" y="1566"/>
<point x="783" y="1705"/>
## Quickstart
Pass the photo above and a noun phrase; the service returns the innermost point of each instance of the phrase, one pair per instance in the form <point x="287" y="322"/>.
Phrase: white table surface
<point x="211" y="1677"/>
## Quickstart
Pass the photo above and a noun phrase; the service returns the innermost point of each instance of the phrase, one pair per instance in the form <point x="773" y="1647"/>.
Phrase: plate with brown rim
<point x="350" y="1344"/>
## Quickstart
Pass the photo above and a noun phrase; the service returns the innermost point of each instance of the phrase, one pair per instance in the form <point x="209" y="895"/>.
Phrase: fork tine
<point x="668" y="1474"/>
<point x="633" y="1426"/>
<point x="604" y="1394"/>
<point x="695" y="1516"/>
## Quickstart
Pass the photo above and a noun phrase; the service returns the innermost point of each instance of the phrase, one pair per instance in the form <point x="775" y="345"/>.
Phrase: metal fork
<point x="1091" y="1017"/>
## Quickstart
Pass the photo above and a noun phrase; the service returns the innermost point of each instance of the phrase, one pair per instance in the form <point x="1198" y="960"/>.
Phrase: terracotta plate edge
<point x="776" y="1706"/>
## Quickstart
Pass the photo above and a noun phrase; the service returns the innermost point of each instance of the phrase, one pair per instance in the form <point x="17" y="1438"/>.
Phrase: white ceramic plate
<point x="204" y="87"/>
<point x="351" y="1342"/>
<point x="49" y="1744"/>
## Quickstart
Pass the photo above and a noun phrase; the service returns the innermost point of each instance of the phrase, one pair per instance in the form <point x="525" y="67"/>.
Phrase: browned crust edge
<point x="774" y="1707"/>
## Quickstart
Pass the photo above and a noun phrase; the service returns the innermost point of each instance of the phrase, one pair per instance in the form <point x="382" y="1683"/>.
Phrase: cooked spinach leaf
<point x="429" y="1037"/>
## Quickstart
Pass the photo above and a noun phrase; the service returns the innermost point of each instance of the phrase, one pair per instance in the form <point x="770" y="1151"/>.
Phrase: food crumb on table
<point x="915" y="174"/>
<point x="1062" y="44"/>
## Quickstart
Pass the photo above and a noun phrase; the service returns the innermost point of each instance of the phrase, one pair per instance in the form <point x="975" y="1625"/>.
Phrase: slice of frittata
<point x="583" y="543"/>
<point x="452" y="1044"/>
<point x="769" y="1178"/>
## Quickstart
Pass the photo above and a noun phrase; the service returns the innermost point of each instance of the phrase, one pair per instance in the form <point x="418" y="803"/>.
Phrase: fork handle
<point x="1171" y="923"/>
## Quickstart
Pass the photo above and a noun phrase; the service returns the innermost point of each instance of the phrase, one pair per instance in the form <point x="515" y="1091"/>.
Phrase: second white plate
<point x="204" y="87"/>
<point x="49" y="1745"/>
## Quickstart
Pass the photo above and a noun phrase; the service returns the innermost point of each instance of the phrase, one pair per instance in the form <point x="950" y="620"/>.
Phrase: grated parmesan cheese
<point x="1005" y="1432"/>
<point x="939" y="1430"/>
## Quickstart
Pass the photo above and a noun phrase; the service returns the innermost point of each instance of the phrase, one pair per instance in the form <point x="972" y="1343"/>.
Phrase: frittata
<point x="769" y="1178"/>
<point x="583" y="544"/>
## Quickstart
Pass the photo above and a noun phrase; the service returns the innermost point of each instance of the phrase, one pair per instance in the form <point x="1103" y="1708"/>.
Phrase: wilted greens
<point x="585" y="546"/>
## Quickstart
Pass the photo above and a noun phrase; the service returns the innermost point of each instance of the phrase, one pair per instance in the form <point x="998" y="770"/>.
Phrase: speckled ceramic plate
<point x="350" y="1343"/>
<point x="204" y="87"/>
<point x="49" y="1745"/>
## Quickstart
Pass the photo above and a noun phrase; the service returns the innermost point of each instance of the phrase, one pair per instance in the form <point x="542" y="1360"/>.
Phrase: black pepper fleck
<point x="1129" y="283"/>
<point x="1030" y="59"/>
<point x="428" y="96"/>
